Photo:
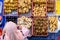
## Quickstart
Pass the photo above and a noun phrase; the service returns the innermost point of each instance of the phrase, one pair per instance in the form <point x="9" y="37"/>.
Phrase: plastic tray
<point x="33" y="27"/>
<point x="33" y="3"/>
<point x="57" y="24"/>
<point x="27" y="14"/>
<point x="13" y="12"/>
<point x="48" y="2"/>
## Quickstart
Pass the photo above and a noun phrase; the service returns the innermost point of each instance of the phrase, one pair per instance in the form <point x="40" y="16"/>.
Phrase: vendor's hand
<point x="19" y="27"/>
<point x="3" y="32"/>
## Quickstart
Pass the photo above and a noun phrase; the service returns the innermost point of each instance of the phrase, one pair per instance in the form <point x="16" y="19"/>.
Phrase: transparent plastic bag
<point x="11" y="32"/>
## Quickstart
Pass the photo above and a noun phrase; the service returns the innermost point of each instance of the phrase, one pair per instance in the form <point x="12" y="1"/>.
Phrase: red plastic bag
<point x="59" y="38"/>
<point x="0" y="31"/>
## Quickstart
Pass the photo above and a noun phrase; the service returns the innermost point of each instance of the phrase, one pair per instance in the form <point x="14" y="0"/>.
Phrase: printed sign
<point x="58" y="7"/>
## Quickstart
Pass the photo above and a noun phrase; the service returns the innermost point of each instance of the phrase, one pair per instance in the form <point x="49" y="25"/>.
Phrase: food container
<point x="53" y="23"/>
<point x="24" y="7"/>
<point x="10" y="7"/>
<point x="39" y="8"/>
<point x="40" y="26"/>
<point x="24" y="21"/>
<point x="50" y="6"/>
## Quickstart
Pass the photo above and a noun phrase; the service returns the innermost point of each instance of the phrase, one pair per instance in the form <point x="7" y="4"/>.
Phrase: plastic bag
<point x="11" y="32"/>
